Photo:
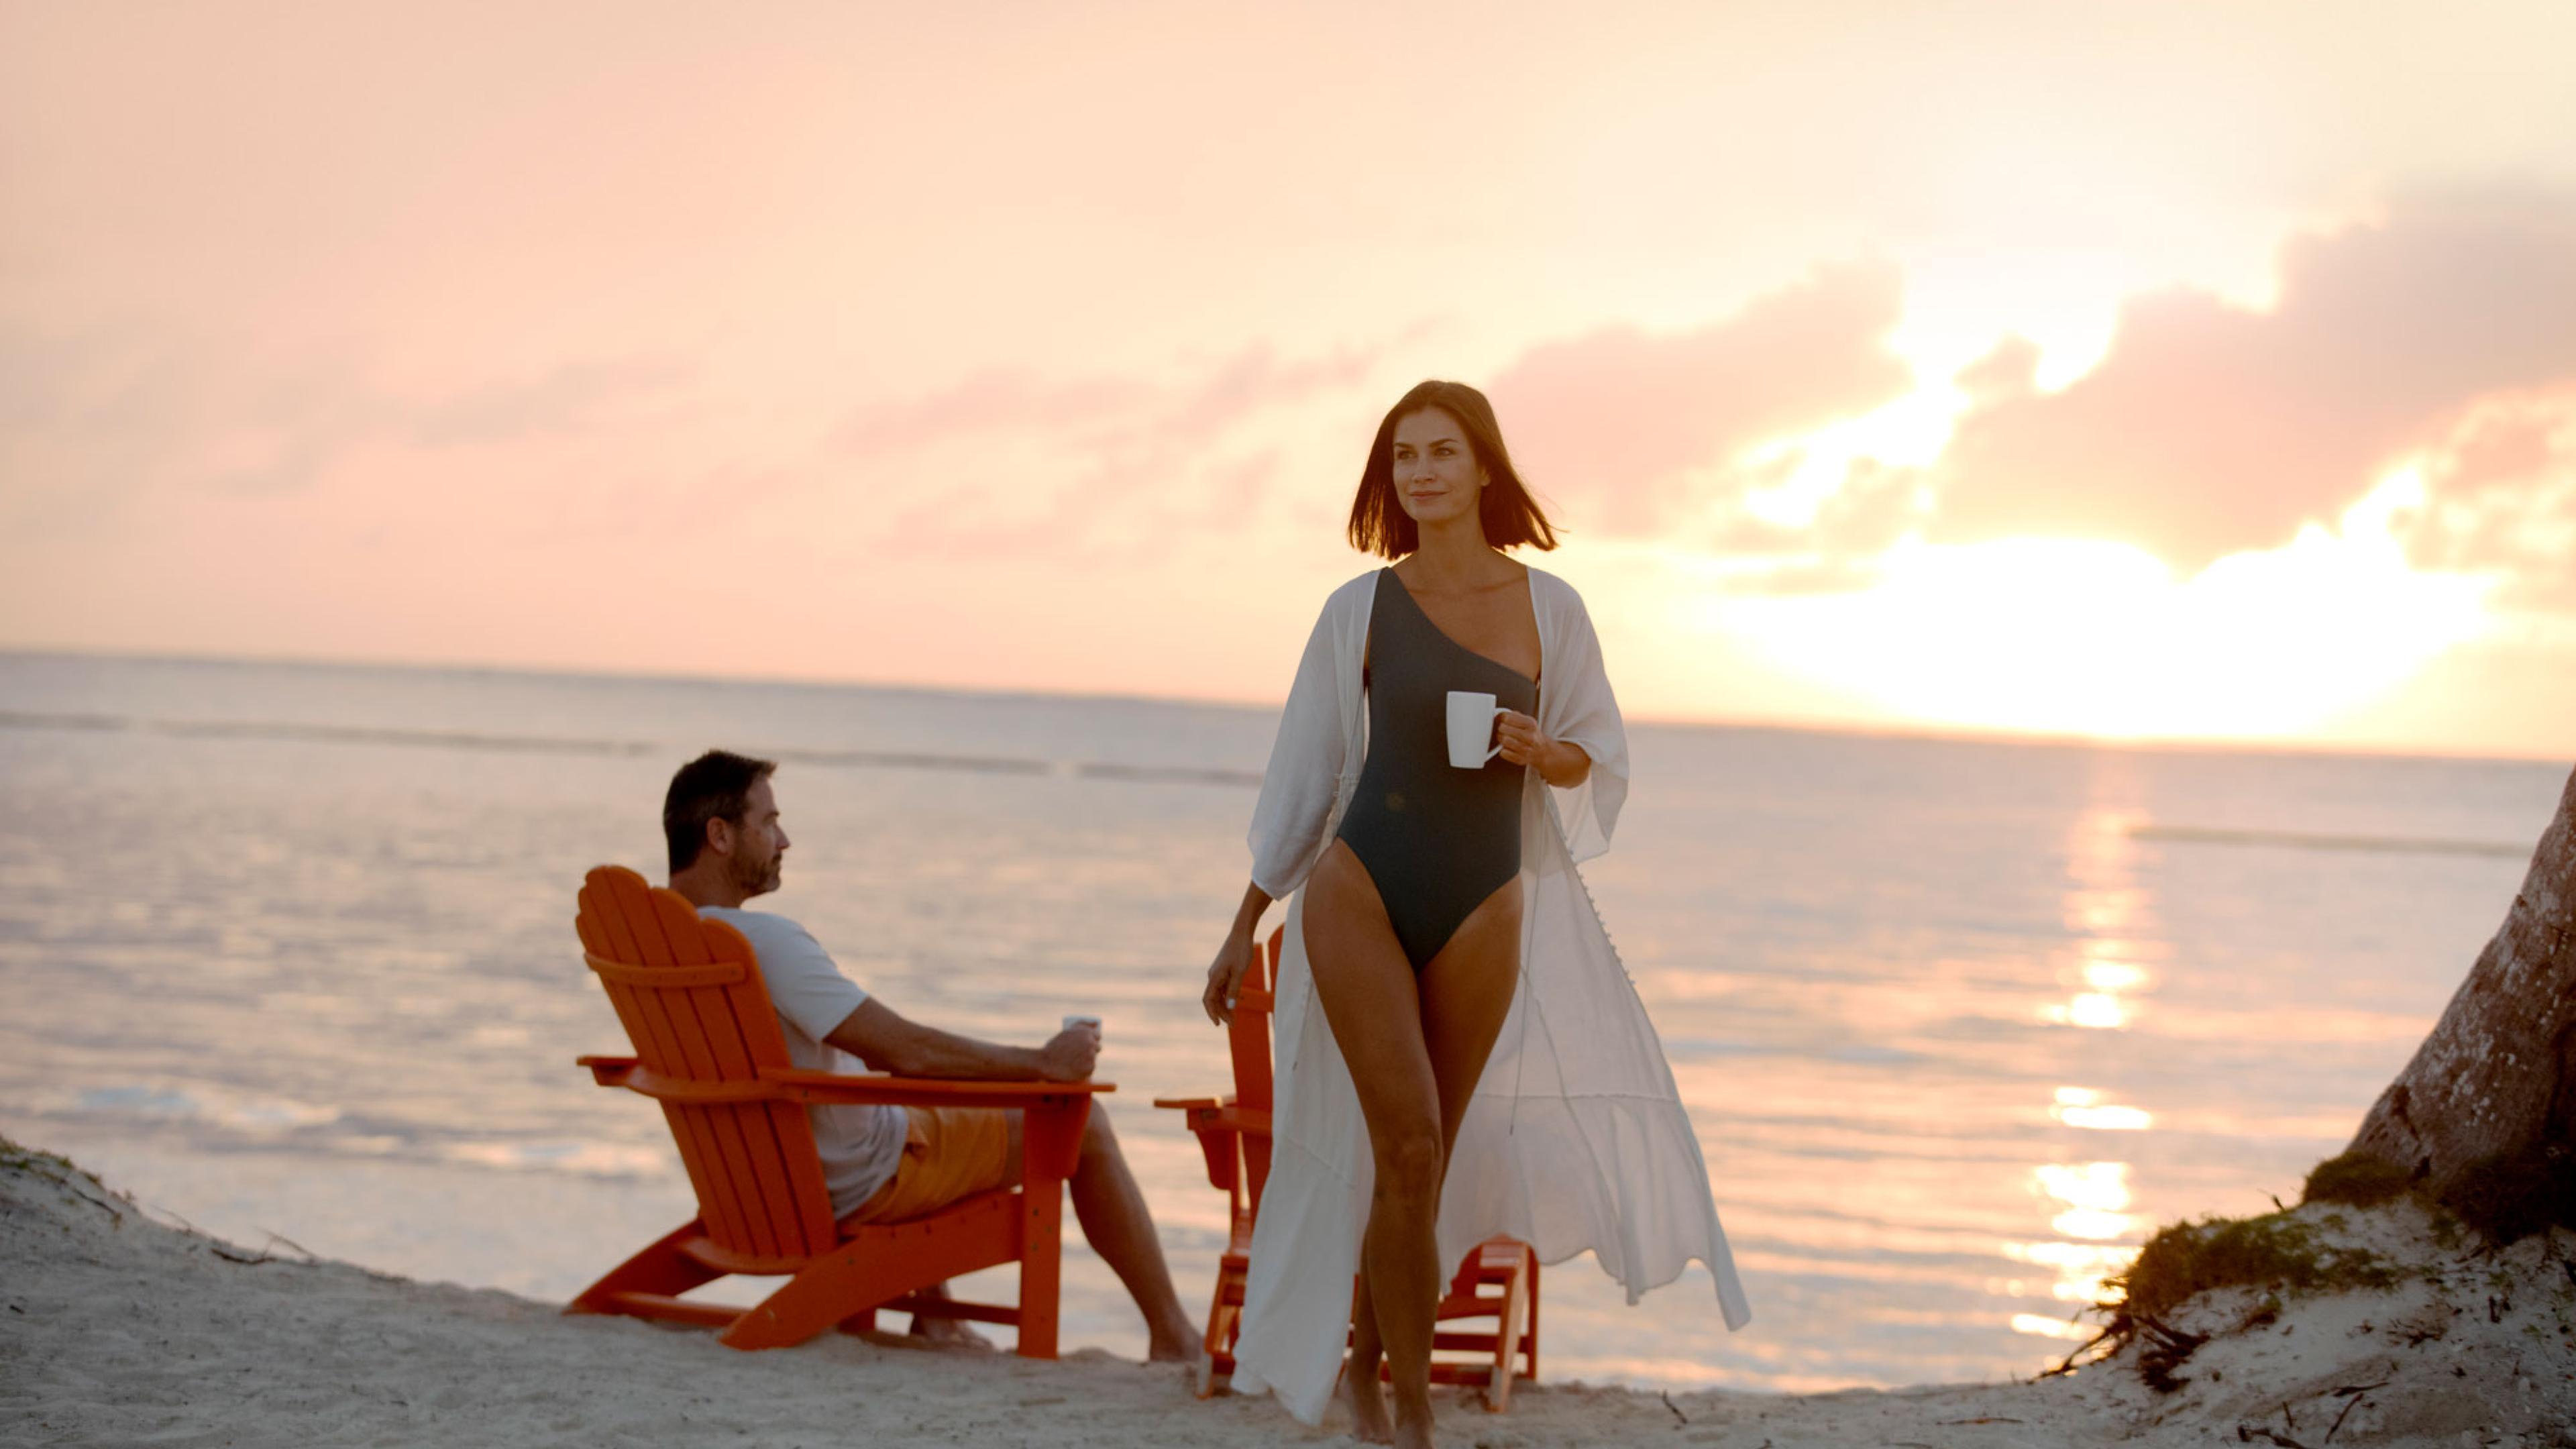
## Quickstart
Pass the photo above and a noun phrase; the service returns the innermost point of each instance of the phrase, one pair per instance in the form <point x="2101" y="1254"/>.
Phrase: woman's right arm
<point x="1305" y="770"/>
<point x="1234" y="957"/>
<point x="1297" y="793"/>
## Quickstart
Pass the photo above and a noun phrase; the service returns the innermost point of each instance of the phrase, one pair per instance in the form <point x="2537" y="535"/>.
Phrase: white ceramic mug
<point x="1471" y="726"/>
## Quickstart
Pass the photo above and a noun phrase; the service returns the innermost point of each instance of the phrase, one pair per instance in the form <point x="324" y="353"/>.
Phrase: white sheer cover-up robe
<point x="1576" y="1137"/>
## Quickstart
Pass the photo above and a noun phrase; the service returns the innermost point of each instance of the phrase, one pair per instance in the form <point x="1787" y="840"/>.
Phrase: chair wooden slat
<point x="794" y="1130"/>
<point x="770" y="1193"/>
<point x="758" y="1125"/>
<point x="663" y="945"/>
<point x="755" y="1021"/>
<point x="691" y="1125"/>
<point x="744" y="1133"/>
<point x="595" y="940"/>
<point x="610" y="905"/>
<point x="598" y="942"/>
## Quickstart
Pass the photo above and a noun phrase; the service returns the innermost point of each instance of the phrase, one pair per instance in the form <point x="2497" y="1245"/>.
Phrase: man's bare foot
<point x="946" y="1332"/>
<point x="1198" y="1372"/>
<point x="1368" y="1406"/>
<point x="949" y="1333"/>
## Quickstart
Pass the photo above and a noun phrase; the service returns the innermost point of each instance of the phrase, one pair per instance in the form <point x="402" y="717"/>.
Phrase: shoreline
<point x="121" y="1328"/>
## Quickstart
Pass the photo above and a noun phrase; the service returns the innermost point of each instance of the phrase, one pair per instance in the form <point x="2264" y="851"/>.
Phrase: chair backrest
<point x="690" y="995"/>
<point x="1248" y="1041"/>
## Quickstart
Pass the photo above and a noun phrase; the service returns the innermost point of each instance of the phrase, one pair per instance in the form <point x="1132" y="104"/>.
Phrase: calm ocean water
<point x="287" y="949"/>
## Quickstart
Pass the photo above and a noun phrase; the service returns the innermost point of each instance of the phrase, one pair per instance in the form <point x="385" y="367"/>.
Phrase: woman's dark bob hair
<point x="1379" y="524"/>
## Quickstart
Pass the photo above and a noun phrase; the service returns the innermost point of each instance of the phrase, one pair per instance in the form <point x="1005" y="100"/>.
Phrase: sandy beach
<point x="122" y="1326"/>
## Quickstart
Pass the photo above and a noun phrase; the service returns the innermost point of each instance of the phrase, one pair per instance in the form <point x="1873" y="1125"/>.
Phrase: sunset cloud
<point x="1643" y="431"/>
<point x="2500" y="498"/>
<point x="2211" y="428"/>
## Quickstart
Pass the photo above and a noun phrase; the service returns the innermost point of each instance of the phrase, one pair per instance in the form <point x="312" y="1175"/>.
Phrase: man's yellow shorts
<point x="949" y="1154"/>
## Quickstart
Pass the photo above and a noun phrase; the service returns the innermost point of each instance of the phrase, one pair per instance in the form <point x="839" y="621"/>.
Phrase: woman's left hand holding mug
<point x="1520" y="738"/>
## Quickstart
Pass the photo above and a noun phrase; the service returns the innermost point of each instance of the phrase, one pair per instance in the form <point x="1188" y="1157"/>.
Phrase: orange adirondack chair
<point x="1498" y="1280"/>
<point x="690" y="994"/>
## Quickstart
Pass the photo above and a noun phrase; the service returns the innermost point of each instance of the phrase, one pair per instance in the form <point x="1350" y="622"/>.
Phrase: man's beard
<point x="754" y="879"/>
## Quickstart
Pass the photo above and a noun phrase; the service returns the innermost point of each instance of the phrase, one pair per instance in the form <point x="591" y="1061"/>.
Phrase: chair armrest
<point x="782" y="1084"/>
<point x="1052" y="1112"/>
<point x="1184" y="1104"/>
<point x="880" y="1090"/>
<point x="1232" y="1118"/>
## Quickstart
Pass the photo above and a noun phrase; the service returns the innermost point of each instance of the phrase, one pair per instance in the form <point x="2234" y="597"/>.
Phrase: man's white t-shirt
<point x="861" y="1146"/>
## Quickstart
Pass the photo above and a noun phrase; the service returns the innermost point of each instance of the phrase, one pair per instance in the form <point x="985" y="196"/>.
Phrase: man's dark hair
<point x="714" y="786"/>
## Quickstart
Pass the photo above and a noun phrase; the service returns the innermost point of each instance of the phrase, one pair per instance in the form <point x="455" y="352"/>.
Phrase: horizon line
<point x="1932" y="733"/>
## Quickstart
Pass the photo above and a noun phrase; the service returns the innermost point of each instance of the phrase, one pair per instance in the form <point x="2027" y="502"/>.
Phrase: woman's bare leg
<point x="1462" y="1014"/>
<point x="1415" y="1049"/>
<point x="1466" y="992"/>
<point x="1366" y="987"/>
<point x="1359" y="1376"/>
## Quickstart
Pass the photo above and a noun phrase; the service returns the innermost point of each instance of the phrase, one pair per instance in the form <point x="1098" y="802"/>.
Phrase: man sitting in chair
<point x="888" y="1164"/>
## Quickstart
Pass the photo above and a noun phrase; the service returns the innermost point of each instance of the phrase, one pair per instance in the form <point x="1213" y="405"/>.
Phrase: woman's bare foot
<point x="1368" y="1406"/>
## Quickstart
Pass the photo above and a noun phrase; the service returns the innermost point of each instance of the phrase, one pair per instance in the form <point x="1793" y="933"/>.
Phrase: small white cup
<point x="1071" y="1022"/>
<point x="1471" y="726"/>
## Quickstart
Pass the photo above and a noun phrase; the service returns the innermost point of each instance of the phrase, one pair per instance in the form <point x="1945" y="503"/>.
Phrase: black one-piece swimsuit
<point x="1436" y="839"/>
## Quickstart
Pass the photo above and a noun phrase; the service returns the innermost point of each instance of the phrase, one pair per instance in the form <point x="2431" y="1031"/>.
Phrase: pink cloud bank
<point x="2444" y="332"/>
<point x="2210" y="428"/>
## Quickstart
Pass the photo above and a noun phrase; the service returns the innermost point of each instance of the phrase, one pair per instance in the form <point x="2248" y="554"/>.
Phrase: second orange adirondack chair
<point x="710" y="1051"/>
<point x="1498" y="1280"/>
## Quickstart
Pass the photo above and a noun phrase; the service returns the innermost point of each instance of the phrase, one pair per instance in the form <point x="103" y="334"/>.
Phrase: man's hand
<point x="1070" y="1056"/>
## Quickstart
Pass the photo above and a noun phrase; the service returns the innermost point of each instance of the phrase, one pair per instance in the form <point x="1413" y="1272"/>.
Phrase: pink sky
<point x="2145" y="371"/>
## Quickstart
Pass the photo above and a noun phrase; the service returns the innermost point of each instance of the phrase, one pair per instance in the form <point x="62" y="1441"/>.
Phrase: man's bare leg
<point x="1114" y="1218"/>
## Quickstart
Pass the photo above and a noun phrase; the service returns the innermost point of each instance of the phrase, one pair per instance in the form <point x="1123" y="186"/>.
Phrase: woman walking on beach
<point x="1450" y="1011"/>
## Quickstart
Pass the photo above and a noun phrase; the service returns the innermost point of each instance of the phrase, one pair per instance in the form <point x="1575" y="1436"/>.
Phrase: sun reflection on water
<point x="2091" y="1222"/>
<point x="2084" y="1107"/>
<point x="2113" y="918"/>
<point x="2094" y="1192"/>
